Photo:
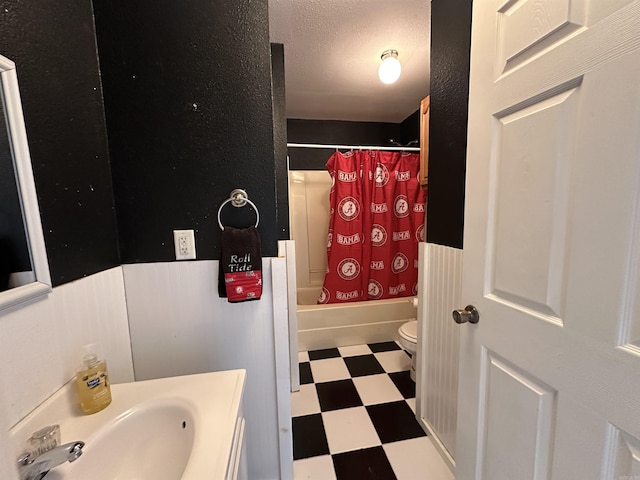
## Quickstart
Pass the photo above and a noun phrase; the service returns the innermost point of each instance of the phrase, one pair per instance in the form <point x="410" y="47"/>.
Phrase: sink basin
<point x="179" y="428"/>
<point x="152" y="441"/>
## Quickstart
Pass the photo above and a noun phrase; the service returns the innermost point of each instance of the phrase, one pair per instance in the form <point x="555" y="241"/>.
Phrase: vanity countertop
<point x="213" y="401"/>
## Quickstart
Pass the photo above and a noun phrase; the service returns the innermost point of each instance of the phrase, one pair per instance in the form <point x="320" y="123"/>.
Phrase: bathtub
<point x="354" y="323"/>
<point x="333" y="325"/>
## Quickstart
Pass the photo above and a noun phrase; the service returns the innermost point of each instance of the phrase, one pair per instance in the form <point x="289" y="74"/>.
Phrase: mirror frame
<point x="10" y="96"/>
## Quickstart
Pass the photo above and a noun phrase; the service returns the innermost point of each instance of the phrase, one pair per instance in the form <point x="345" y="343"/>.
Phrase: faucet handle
<point x="43" y="440"/>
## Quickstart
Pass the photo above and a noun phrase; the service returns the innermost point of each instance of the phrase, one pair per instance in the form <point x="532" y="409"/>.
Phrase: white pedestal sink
<point x="178" y="428"/>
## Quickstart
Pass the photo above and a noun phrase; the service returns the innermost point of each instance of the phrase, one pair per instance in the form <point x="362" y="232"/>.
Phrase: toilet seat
<point x="409" y="331"/>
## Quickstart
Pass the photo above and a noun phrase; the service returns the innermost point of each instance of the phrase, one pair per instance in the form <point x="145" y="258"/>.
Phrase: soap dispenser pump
<point x="92" y="382"/>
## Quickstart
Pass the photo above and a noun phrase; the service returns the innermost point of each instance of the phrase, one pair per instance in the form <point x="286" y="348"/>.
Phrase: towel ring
<point x="238" y="198"/>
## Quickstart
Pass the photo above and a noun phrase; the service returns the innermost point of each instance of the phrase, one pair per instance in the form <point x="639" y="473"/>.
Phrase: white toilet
<point x="408" y="339"/>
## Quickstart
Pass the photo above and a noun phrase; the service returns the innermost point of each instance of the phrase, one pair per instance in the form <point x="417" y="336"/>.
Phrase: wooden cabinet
<point x="424" y="143"/>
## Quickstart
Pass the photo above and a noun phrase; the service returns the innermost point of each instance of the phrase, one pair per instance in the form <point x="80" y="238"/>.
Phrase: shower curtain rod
<point x="352" y="147"/>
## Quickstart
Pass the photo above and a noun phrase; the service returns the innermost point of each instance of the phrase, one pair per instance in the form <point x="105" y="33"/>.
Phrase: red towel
<point x="240" y="276"/>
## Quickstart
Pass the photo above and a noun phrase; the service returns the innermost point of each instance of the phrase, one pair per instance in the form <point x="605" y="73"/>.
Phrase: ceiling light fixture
<point x="390" y="68"/>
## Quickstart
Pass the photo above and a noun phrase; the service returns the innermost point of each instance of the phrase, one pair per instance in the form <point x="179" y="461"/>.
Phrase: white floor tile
<point x="314" y="468"/>
<point x="375" y="389"/>
<point x="305" y="401"/>
<point x="329" y="369"/>
<point x="394" y="361"/>
<point x="349" y="429"/>
<point x="354" y="350"/>
<point x="416" y="458"/>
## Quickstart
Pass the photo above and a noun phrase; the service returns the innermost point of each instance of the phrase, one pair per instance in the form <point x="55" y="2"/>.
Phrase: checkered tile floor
<point x="354" y="417"/>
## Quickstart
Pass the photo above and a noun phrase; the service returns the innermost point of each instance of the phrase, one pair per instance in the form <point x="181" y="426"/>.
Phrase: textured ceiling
<point x="332" y="51"/>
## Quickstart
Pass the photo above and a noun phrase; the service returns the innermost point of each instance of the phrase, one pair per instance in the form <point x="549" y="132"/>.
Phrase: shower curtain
<point x="377" y="220"/>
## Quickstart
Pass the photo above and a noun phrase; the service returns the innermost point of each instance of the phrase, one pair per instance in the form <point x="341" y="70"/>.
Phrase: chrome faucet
<point x="31" y="467"/>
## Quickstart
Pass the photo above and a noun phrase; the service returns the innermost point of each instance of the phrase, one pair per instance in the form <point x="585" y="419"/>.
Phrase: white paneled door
<point x="550" y="376"/>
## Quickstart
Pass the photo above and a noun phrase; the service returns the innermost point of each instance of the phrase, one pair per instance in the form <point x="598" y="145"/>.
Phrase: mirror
<point x="24" y="270"/>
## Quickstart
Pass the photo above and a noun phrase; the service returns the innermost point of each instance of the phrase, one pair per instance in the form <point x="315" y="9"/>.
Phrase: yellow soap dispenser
<point x="92" y="380"/>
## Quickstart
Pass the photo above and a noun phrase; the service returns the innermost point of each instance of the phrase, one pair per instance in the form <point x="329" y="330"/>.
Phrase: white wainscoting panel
<point x="287" y="250"/>
<point x="41" y="342"/>
<point x="180" y="326"/>
<point x="281" y="337"/>
<point x="7" y="471"/>
<point x="438" y="344"/>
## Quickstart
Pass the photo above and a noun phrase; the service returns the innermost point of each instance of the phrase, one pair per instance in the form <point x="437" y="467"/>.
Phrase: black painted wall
<point x="410" y="129"/>
<point x="189" y="113"/>
<point x="336" y="132"/>
<point x="280" y="139"/>
<point x="189" y="107"/>
<point x="53" y="46"/>
<point x="450" y="47"/>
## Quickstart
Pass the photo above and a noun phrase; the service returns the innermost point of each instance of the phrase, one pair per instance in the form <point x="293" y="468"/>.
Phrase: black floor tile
<point x="305" y="373"/>
<point x="369" y="463"/>
<point x="337" y="395"/>
<point x="383" y="347"/>
<point x="394" y="421"/>
<point x="326" y="353"/>
<point x="309" y="439"/>
<point x="403" y="381"/>
<point x="363" y="365"/>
